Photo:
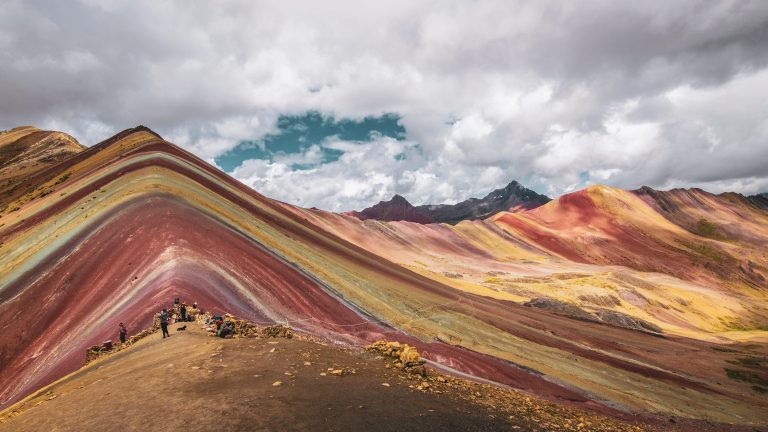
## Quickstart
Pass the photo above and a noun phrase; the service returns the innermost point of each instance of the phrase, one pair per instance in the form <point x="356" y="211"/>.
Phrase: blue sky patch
<point x="297" y="133"/>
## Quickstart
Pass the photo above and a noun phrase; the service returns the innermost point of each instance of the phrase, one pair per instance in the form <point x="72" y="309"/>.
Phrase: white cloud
<point x="658" y="93"/>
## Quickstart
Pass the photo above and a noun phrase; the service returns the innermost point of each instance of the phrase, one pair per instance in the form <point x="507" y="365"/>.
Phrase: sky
<point x="341" y="104"/>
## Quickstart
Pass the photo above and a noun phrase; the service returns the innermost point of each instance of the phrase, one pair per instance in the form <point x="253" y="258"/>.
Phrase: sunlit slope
<point x="25" y="151"/>
<point x="723" y="284"/>
<point x="728" y="217"/>
<point x="604" y="225"/>
<point x="134" y="221"/>
<point x="526" y="255"/>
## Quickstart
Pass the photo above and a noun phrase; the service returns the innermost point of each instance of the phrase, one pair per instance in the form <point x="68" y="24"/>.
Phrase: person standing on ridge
<point x="123" y="333"/>
<point x="164" y="323"/>
<point x="183" y="312"/>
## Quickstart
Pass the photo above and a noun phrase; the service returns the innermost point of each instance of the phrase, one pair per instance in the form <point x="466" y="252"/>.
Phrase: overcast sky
<point x="557" y="95"/>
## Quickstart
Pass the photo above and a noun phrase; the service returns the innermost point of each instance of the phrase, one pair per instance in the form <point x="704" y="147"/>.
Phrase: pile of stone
<point x="109" y="347"/>
<point x="245" y="328"/>
<point x="277" y="331"/>
<point x="406" y="357"/>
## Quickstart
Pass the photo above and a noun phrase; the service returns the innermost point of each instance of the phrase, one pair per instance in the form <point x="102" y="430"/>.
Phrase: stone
<point x="418" y="370"/>
<point x="277" y="331"/>
<point x="337" y="372"/>
<point x="409" y="355"/>
<point x="277" y="384"/>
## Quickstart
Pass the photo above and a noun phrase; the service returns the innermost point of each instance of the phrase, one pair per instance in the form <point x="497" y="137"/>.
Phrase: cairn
<point x="407" y="358"/>
<point x="245" y="328"/>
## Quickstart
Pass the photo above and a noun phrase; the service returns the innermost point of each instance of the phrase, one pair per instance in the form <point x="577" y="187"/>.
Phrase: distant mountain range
<point x="513" y="197"/>
<point x="761" y="200"/>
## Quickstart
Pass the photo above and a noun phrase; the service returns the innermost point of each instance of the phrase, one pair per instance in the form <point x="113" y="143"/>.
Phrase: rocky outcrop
<point x="407" y="358"/>
<point x="513" y="197"/>
<point x="396" y="209"/>
<point x="760" y="200"/>
<point x="605" y="316"/>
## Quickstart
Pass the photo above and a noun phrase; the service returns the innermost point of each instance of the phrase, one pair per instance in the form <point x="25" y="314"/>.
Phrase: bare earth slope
<point x="200" y="383"/>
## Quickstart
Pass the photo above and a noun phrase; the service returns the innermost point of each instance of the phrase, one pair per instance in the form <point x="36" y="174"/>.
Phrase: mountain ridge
<point x="512" y="197"/>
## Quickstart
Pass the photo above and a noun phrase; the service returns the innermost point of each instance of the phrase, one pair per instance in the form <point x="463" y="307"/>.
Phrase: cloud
<point x="660" y="93"/>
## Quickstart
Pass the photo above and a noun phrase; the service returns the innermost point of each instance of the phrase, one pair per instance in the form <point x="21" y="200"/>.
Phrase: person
<point x="164" y="323"/>
<point x="183" y="312"/>
<point x="123" y="333"/>
<point x="227" y="329"/>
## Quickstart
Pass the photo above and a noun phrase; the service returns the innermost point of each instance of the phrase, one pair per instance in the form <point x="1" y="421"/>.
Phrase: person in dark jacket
<point x="123" y="333"/>
<point x="227" y="329"/>
<point x="183" y="312"/>
<point x="164" y="317"/>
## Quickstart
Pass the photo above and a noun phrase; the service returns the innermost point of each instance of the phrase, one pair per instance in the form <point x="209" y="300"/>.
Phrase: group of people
<point x="179" y="313"/>
<point x="219" y="327"/>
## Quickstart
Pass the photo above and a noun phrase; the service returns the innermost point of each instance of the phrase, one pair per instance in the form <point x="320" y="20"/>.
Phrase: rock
<point x="385" y="384"/>
<point x="277" y="331"/>
<point x="277" y="384"/>
<point x="561" y="307"/>
<point x="409" y="356"/>
<point x="337" y="372"/>
<point x="306" y="363"/>
<point x="417" y="370"/>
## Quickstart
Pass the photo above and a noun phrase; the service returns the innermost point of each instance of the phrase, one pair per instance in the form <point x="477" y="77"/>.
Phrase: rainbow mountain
<point x="612" y="300"/>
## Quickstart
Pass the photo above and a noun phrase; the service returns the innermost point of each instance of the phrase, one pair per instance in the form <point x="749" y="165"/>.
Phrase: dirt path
<point x="194" y="382"/>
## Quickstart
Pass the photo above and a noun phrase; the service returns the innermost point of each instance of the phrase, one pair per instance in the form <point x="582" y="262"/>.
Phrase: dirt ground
<point x="194" y="382"/>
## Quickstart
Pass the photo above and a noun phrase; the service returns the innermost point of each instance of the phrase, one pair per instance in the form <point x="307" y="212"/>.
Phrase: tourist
<point x="227" y="329"/>
<point x="123" y="333"/>
<point x="183" y="312"/>
<point x="164" y="323"/>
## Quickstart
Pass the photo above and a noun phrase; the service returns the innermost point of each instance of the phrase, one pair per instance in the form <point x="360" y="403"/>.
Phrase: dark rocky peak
<point x="512" y="197"/>
<point x="396" y="209"/>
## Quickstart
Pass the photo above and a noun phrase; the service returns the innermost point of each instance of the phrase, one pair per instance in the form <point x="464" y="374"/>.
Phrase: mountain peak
<point x="397" y="198"/>
<point x="396" y="209"/>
